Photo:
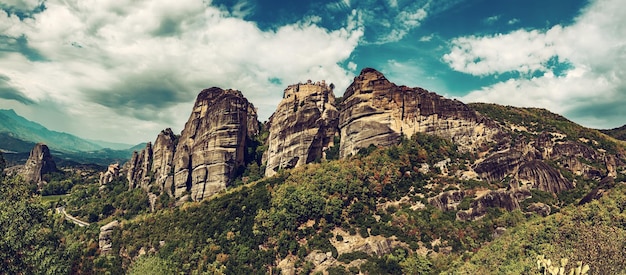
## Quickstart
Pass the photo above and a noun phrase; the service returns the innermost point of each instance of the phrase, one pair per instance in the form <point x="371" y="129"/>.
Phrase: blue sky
<point x="122" y="70"/>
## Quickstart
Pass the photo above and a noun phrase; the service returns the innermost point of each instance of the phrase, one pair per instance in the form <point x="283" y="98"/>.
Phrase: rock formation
<point x="39" y="162"/>
<point x="302" y="128"/>
<point x="376" y="111"/>
<point x="447" y="201"/>
<point x="212" y="144"/>
<point x="111" y="173"/>
<point x="137" y="168"/>
<point x="163" y="160"/>
<point x="104" y="238"/>
<point x="506" y="199"/>
<point x="203" y="160"/>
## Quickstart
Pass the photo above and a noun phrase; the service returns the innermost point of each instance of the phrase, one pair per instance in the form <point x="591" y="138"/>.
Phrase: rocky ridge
<point x="376" y="111"/>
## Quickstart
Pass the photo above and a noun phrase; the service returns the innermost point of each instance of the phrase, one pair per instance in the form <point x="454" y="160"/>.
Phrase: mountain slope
<point x="26" y="130"/>
<point x="618" y="133"/>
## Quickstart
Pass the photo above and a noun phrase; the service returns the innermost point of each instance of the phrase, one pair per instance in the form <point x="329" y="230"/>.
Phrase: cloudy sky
<point x="122" y="70"/>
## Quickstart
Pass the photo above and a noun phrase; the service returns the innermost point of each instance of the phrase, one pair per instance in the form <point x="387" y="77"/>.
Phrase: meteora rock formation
<point x="302" y="128"/>
<point x="376" y="111"/>
<point x="206" y="156"/>
<point x="39" y="162"/>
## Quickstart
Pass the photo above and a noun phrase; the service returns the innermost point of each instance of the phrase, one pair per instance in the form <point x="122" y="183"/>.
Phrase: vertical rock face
<point x="163" y="160"/>
<point x="104" y="238"/>
<point x="39" y="162"/>
<point x="138" y="166"/>
<point x="212" y="144"/>
<point x="302" y="128"/>
<point x="111" y="173"/>
<point x="376" y="111"/>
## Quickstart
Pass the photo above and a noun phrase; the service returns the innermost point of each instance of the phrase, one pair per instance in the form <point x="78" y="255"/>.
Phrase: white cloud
<point x="513" y="21"/>
<point x="492" y="19"/>
<point x="139" y="64"/>
<point x="593" y="46"/>
<point x="427" y="38"/>
<point x="404" y="22"/>
<point x="24" y="5"/>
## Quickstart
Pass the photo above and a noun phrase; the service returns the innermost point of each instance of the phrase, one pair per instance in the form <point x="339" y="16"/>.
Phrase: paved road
<point x="71" y="218"/>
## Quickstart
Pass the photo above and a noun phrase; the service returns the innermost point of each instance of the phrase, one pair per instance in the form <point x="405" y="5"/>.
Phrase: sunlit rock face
<point x="302" y="127"/>
<point x="376" y="111"/>
<point x="212" y="144"/>
<point x="163" y="160"/>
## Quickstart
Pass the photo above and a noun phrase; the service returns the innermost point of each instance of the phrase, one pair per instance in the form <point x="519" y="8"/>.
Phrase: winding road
<point x="71" y="218"/>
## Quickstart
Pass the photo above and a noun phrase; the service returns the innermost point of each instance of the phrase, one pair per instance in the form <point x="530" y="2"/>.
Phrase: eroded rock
<point x="302" y="128"/>
<point x="376" y="111"/>
<point x="39" y="162"/>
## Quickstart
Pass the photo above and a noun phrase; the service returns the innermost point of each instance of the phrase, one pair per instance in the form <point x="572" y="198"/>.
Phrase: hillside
<point x="618" y="133"/>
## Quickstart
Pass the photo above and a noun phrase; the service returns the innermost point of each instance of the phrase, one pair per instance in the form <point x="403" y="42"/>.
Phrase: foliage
<point x="30" y="244"/>
<point x="151" y="265"/>
<point x="594" y="233"/>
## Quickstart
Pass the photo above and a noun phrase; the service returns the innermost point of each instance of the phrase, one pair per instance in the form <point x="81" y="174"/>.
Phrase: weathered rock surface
<point x="39" y="162"/>
<point x="163" y="160"/>
<point x="137" y="168"/>
<point x="212" y="144"/>
<point x="376" y="111"/>
<point x="539" y="208"/>
<point x="302" y="127"/>
<point x="110" y="174"/>
<point x="104" y="239"/>
<point x="506" y="199"/>
<point x="447" y="201"/>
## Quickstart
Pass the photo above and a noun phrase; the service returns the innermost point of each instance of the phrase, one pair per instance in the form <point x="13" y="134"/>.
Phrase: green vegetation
<point x="380" y="193"/>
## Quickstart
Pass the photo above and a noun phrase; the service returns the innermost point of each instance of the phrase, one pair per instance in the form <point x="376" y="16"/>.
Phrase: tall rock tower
<point x="212" y="145"/>
<point x="39" y="162"/>
<point x="302" y="128"/>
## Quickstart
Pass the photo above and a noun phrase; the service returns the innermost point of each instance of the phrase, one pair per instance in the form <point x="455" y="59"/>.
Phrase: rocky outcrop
<point x="213" y="143"/>
<point x="163" y="160"/>
<point x="39" y="162"/>
<point x="104" y="238"/>
<point x="539" y="208"/>
<point x="302" y="128"/>
<point x="505" y="199"/>
<point x="376" y="111"/>
<point x="448" y="200"/>
<point x="110" y="174"/>
<point x="137" y="168"/>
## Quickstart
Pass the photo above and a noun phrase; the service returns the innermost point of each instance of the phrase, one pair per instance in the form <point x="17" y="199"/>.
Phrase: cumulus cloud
<point x="593" y="48"/>
<point x="137" y="62"/>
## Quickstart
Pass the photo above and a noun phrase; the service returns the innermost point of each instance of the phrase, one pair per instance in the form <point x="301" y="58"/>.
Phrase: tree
<point x="152" y="265"/>
<point x="29" y="243"/>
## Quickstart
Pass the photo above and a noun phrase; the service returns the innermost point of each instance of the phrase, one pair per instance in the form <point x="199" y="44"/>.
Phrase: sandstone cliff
<point x="302" y="127"/>
<point x="137" y="168"/>
<point x="110" y="174"/>
<point x="376" y="111"/>
<point x="213" y="143"/>
<point x="203" y="160"/>
<point x="163" y="160"/>
<point x="39" y="162"/>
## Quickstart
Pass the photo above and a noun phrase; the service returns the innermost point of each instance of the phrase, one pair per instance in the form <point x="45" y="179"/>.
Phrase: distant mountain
<point x="19" y="135"/>
<point x="618" y="133"/>
<point x="16" y="132"/>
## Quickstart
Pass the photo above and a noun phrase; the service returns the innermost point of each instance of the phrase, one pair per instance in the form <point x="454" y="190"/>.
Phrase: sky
<point x="122" y="70"/>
